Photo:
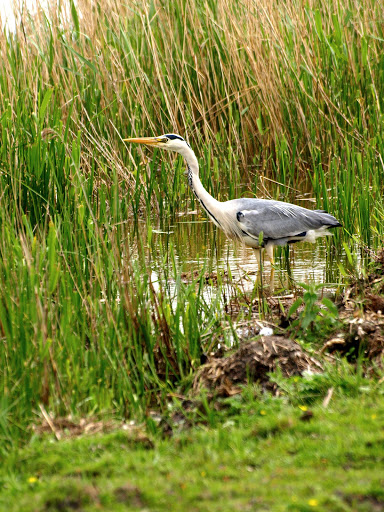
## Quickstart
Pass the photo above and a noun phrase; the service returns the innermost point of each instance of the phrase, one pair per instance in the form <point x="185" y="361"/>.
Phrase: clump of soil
<point x="362" y="335"/>
<point x="362" y="313"/>
<point x="253" y="362"/>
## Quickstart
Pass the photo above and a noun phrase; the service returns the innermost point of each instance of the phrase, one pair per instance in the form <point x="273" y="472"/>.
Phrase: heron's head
<point x="169" y="141"/>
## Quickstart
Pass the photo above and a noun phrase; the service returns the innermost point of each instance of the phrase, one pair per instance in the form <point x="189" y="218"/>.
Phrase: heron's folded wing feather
<point x="280" y="220"/>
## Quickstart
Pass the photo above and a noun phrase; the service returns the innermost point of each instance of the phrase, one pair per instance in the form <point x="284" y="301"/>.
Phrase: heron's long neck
<point x="209" y="203"/>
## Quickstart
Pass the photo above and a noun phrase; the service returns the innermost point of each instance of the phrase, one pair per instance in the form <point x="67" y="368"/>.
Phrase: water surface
<point x="199" y="244"/>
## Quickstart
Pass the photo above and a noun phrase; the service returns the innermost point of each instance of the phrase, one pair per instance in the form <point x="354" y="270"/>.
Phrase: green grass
<point x="257" y="453"/>
<point x="289" y="92"/>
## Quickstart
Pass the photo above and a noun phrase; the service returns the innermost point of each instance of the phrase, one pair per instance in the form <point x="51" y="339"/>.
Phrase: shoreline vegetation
<point x="279" y="99"/>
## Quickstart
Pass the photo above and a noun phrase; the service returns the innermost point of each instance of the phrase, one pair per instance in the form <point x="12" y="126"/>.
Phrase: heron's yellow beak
<point x="151" y="141"/>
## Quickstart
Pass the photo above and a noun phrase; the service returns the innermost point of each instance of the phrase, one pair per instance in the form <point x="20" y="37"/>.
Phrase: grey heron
<point x="258" y="223"/>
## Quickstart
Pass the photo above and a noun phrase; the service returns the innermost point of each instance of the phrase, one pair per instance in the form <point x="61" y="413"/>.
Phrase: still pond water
<point x="198" y="244"/>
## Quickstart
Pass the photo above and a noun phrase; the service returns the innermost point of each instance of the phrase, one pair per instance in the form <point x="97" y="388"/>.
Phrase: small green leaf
<point x="295" y="306"/>
<point x="348" y="254"/>
<point x="82" y="58"/>
<point x="318" y="23"/>
<point x="342" y="270"/>
<point x="75" y="17"/>
<point x="81" y="211"/>
<point x="44" y="104"/>
<point x="260" y="125"/>
<point x="330" y="306"/>
<point x="52" y="259"/>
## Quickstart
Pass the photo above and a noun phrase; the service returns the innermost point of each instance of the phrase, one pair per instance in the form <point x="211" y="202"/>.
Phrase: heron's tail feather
<point x="313" y="234"/>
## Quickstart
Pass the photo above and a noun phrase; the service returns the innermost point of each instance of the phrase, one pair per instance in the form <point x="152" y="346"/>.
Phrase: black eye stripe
<point x="172" y="136"/>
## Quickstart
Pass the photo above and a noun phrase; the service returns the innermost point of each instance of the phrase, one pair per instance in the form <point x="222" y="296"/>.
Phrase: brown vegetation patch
<point x="208" y="277"/>
<point x="363" y="334"/>
<point x="275" y="303"/>
<point x="368" y="291"/>
<point x="129" y="495"/>
<point x="253" y="362"/>
<point x="362" y="313"/>
<point x="372" y="502"/>
<point x="68" y="428"/>
<point x="71" y="496"/>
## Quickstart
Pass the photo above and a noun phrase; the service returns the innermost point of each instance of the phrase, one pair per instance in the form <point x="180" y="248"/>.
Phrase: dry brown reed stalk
<point x="256" y="71"/>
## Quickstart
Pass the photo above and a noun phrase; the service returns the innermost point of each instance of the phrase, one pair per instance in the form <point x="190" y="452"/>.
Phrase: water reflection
<point x="198" y="243"/>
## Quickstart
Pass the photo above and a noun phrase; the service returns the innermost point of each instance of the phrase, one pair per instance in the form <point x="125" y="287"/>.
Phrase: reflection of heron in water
<point x="258" y="223"/>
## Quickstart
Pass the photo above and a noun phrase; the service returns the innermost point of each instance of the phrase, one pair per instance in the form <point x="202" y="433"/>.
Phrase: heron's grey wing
<point x="281" y="220"/>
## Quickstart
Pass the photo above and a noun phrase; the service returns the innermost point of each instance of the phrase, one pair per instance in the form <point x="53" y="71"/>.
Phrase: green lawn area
<point x="255" y="453"/>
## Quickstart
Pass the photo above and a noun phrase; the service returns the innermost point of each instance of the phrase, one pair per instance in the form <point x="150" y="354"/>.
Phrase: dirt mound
<point x="362" y="314"/>
<point x="253" y="362"/>
<point x="362" y="335"/>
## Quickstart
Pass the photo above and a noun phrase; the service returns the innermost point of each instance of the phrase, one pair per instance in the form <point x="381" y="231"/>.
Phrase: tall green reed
<point x="287" y="91"/>
<point x="88" y="325"/>
<point x="279" y="86"/>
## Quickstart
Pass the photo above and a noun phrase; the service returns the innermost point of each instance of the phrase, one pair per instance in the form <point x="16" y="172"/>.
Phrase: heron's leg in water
<point x="270" y="250"/>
